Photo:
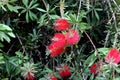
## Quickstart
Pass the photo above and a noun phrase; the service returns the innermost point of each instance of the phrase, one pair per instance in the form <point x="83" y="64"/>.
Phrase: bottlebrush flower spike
<point x="94" y="68"/>
<point x="30" y="76"/>
<point x="113" y="56"/>
<point x="28" y="71"/>
<point x="61" y="24"/>
<point x="59" y="37"/>
<point x="52" y="77"/>
<point x="56" y="48"/>
<point x="72" y="37"/>
<point x="64" y="71"/>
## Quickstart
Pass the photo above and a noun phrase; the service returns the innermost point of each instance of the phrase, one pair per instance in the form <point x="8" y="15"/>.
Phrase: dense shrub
<point x="59" y="39"/>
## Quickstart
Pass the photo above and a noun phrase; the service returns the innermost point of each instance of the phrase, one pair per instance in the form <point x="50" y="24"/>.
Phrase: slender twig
<point x="93" y="46"/>
<point x="115" y="23"/>
<point x="45" y="4"/>
<point x="113" y="14"/>
<point x="61" y="8"/>
<point x="115" y="40"/>
<point x="113" y="74"/>
<point x="21" y="43"/>
<point x="78" y="14"/>
<point x="107" y="38"/>
<point x="116" y="4"/>
<point x="11" y="47"/>
<point x="46" y="8"/>
<point x="88" y="4"/>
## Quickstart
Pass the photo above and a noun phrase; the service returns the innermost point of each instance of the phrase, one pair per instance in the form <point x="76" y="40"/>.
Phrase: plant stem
<point x="94" y="47"/>
<point x="78" y="14"/>
<point x="46" y="8"/>
<point x="115" y="23"/>
<point x="21" y="44"/>
<point x="61" y="8"/>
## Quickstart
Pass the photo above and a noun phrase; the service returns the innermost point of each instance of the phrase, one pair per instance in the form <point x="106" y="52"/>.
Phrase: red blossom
<point x="61" y="24"/>
<point x="94" y="68"/>
<point x="58" y="44"/>
<point x="56" y="48"/>
<point x="59" y="37"/>
<point x="30" y="76"/>
<point x="64" y="71"/>
<point x="72" y="37"/>
<point x="52" y="77"/>
<point x="113" y="56"/>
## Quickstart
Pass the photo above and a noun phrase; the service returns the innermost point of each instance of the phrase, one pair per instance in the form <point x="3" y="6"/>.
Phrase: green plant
<point x="37" y="23"/>
<point x="6" y="4"/>
<point x="28" y="9"/>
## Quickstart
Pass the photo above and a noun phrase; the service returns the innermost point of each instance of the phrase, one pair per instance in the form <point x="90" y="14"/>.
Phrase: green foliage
<point x="33" y="22"/>
<point x="27" y="67"/>
<point x="90" y="60"/>
<point x="1" y="58"/>
<point x="5" y="32"/>
<point x="7" y="3"/>
<point x="28" y="9"/>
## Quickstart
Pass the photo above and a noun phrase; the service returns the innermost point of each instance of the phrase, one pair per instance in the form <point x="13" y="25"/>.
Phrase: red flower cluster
<point x="30" y="76"/>
<point x="61" y="24"/>
<point x="60" y="41"/>
<point x="113" y="56"/>
<point x="94" y="68"/>
<point x="52" y="77"/>
<point x="57" y="45"/>
<point x="72" y="37"/>
<point x="64" y="71"/>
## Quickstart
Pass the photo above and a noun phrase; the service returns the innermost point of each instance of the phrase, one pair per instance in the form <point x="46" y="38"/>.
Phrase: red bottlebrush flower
<point x="59" y="37"/>
<point x="94" y="68"/>
<point x="72" y="37"/>
<point x="30" y="76"/>
<point x="61" y="24"/>
<point x="113" y="56"/>
<point x="64" y="71"/>
<point x="56" y="48"/>
<point x="52" y="77"/>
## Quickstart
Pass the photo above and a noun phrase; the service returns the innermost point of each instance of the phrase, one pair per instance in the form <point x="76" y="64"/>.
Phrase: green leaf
<point x="23" y="11"/>
<point x="7" y="67"/>
<point x="32" y="2"/>
<point x="98" y="9"/>
<point x="42" y="79"/>
<point x="11" y="34"/>
<point x="11" y="1"/>
<point x="34" y="6"/>
<point x="90" y="60"/>
<point x="27" y="18"/>
<point x="3" y="8"/>
<point x="5" y="32"/>
<point x="96" y="14"/>
<point x="5" y="27"/>
<point x="25" y="2"/>
<point x="117" y="69"/>
<point x="12" y="8"/>
<point x="102" y="51"/>
<point x="84" y="26"/>
<point x="41" y="10"/>
<point x="4" y="36"/>
<point x="1" y="58"/>
<point x="54" y="16"/>
<point x="32" y="15"/>
<point x="1" y="45"/>
<point x="19" y="54"/>
<point x="73" y="18"/>
<point x="5" y="79"/>
<point x="117" y="78"/>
